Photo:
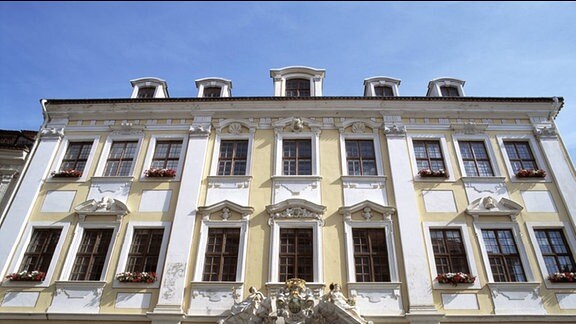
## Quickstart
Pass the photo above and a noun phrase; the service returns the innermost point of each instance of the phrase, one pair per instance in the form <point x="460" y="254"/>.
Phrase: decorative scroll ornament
<point x="395" y="130"/>
<point x="545" y="131"/>
<point x="358" y="128"/>
<point x="235" y="128"/>
<point x="297" y="125"/>
<point x="52" y="132"/>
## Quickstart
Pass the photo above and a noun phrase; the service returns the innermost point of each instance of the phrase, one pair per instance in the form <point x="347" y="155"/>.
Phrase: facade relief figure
<point x="336" y="297"/>
<point x="248" y="310"/>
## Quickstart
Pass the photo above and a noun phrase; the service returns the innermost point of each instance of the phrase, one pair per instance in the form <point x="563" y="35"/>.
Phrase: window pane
<point x="503" y="255"/>
<point x="221" y="258"/>
<point x="296" y="254"/>
<point x="91" y="254"/>
<point x="40" y="250"/>
<point x="370" y="255"/>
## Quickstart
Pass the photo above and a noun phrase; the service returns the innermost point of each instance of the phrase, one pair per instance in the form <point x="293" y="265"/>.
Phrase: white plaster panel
<point x="475" y="190"/>
<point x="20" y="299"/>
<point x="155" y="201"/>
<point x="538" y="201"/>
<point x="460" y="301"/>
<point x="439" y="201"/>
<point x="58" y="201"/>
<point x="566" y="301"/>
<point x="116" y="190"/>
<point x="234" y="190"/>
<point x="76" y="300"/>
<point x="129" y="300"/>
<point x="210" y="301"/>
<point x="376" y="302"/>
<point x="360" y="190"/>
<point x="516" y="300"/>
<point x="304" y="189"/>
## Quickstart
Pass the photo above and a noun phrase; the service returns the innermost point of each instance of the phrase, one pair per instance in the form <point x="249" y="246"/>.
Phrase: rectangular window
<point x="370" y="255"/>
<point x="166" y="155"/>
<point x="297" y="157"/>
<point x="449" y="251"/>
<point x="383" y="91"/>
<point x="520" y="155"/>
<point x="91" y="255"/>
<point x="221" y="259"/>
<point x="475" y="158"/>
<point x="145" y="250"/>
<point x="76" y="156"/>
<point x="40" y="250"/>
<point x="212" y="92"/>
<point x="146" y="92"/>
<point x="296" y="254"/>
<point x="297" y="88"/>
<point x="555" y="251"/>
<point x="429" y="155"/>
<point x="448" y="91"/>
<point x="360" y="157"/>
<point x="120" y="159"/>
<point x="233" y="158"/>
<point x="503" y="255"/>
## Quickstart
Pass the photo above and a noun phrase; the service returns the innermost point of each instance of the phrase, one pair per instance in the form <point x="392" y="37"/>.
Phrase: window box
<point x="26" y="276"/>
<point x="66" y="174"/>
<point x="154" y="173"/>
<point x="455" y="278"/>
<point x="143" y="277"/>
<point x="530" y="173"/>
<point x="427" y="173"/>
<point x="563" y="277"/>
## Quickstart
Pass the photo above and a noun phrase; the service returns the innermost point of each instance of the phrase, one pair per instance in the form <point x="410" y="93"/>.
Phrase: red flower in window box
<point x="563" y="277"/>
<point x="455" y="278"/>
<point x="26" y="276"/>
<point x="66" y="174"/>
<point x="424" y="173"/>
<point x="530" y="173"/>
<point x="152" y="172"/>
<point x="144" y="277"/>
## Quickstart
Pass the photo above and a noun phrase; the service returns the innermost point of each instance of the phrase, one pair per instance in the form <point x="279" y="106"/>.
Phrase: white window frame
<point x="23" y="246"/>
<point x="62" y="151"/>
<point x="489" y="149"/>
<point x="242" y="248"/>
<point x="377" y="151"/>
<point x="275" y="227"/>
<point x="314" y="141"/>
<point x="479" y="226"/>
<point x="292" y="76"/>
<point x="463" y="227"/>
<point x="570" y="238"/>
<point x="387" y="227"/>
<point x="216" y="154"/>
<point x="535" y="152"/>
<point x="106" y="151"/>
<point x="74" y="246"/>
<point x="127" y="244"/>
<point x="152" y="149"/>
<point x="441" y="138"/>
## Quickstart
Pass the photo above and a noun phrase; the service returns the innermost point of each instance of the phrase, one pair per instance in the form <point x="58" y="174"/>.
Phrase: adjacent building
<point x="293" y="208"/>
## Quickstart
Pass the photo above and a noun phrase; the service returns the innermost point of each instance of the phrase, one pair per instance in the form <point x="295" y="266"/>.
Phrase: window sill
<point x="102" y="179"/>
<point x="461" y="286"/>
<point x="297" y="177"/>
<point x="25" y="284"/>
<point x="118" y="284"/>
<point x="418" y="178"/>
<point x="80" y="284"/>
<point x="559" y="285"/>
<point x="529" y="179"/>
<point x="65" y="179"/>
<point x="483" y="179"/>
<point x="371" y="178"/>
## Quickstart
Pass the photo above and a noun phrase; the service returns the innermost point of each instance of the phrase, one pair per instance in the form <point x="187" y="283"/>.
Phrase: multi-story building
<point x="294" y="208"/>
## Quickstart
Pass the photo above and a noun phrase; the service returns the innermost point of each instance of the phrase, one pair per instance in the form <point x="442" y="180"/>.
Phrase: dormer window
<point x="214" y="88"/>
<point x="146" y="92"/>
<point x="446" y="87"/>
<point x="381" y="87"/>
<point x="149" y="88"/>
<point x="212" y="92"/>
<point x="448" y="91"/>
<point x="297" y="81"/>
<point x="298" y="88"/>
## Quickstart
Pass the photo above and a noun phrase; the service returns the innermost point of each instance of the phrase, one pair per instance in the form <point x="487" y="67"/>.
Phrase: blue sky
<point x="71" y="50"/>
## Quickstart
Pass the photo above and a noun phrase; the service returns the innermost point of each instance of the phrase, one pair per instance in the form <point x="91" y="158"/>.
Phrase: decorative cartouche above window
<point x="297" y="81"/>
<point x="381" y="87"/>
<point x="214" y="88"/>
<point x="149" y="88"/>
<point x="445" y="87"/>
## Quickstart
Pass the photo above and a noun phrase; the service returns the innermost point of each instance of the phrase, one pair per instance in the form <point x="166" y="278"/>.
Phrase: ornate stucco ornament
<point x="398" y="130"/>
<point x="295" y="302"/>
<point x="52" y="132"/>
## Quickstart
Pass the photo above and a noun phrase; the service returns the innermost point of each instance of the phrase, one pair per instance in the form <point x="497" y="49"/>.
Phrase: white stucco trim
<point x="203" y="239"/>
<point x="463" y="227"/>
<point x="75" y="244"/>
<point x="490" y="150"/>
<point x="23" y="245"/>
<point x="441" y="138"/>
<point x="535" y="152"/>
<point x="314" y="140"/>
<point x="570" y="238"/>
<point x="388" y="228"/>
<point x="62" y="151"/>
<point x="374" y="137"/>
<point x="479" y="226"/>
<point x="152" y="148"/>
<point x="127" y="243"/>
<point x="108" y="145"/>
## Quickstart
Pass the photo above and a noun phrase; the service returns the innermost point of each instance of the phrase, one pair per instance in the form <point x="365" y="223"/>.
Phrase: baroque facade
<point x="294" y="208"/>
